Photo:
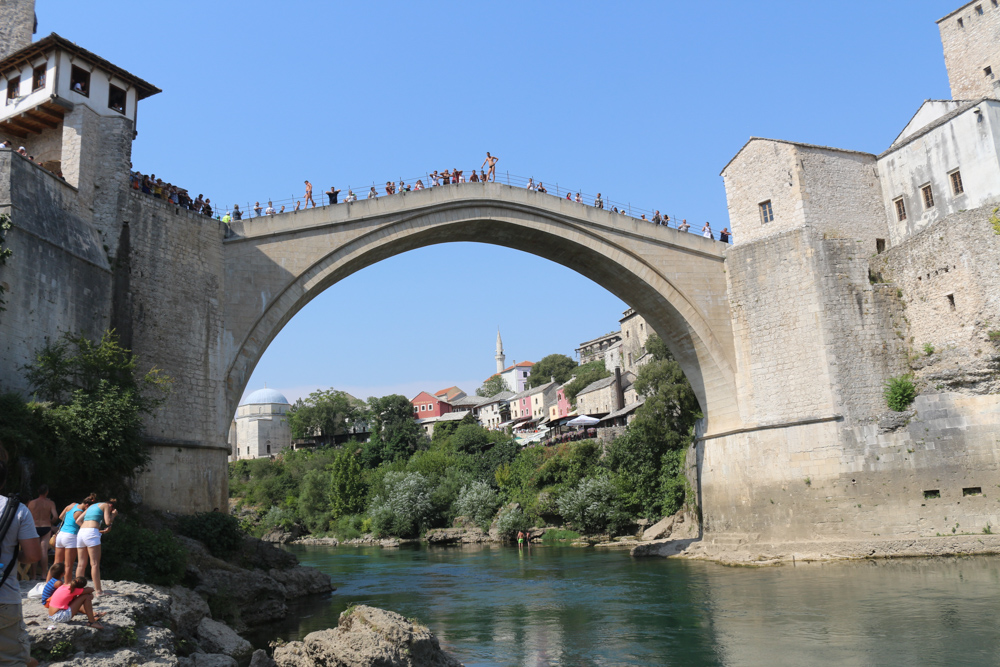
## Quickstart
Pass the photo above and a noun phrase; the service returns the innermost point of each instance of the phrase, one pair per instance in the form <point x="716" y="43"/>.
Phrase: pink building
<point x="426" y="406"/>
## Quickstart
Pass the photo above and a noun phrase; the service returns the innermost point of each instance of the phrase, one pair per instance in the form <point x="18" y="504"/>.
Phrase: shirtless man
<point x="309" y="195"/>
<point x="43" y="511"/>
<point x="492" y="162"/>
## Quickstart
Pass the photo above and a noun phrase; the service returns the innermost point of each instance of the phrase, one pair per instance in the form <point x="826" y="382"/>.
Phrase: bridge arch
<point x="275" y="266"/>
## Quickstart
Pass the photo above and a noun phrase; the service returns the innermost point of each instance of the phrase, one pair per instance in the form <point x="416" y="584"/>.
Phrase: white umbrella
<point x="583" y="420"/>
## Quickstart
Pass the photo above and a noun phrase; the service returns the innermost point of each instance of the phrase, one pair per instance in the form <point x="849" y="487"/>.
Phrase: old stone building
<point x="971" y="39"/>
<point x="261" y="426"/>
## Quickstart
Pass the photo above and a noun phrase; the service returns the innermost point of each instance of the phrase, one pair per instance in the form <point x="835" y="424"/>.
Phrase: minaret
<point x="500" y="355"/>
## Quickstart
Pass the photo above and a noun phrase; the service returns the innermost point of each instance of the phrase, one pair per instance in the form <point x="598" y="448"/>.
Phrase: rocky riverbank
<point x="189" y="626"/>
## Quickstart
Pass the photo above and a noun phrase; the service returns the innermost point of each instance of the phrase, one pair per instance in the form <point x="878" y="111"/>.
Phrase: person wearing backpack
<point x="18" y="543"/>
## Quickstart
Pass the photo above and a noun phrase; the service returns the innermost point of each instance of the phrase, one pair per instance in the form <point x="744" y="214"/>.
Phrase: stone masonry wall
<point x="58" y="277"/>
<point x="17" y="23"/>
<point x="947" y="277"/>
<point x="861" y="322"/>
<point x="843" y="198"/>
<point x="174" y="290"/>
<point x="970" y="47"/>
<point x="826" y="481"/>
<point x="763" y="170"/>
<point x="776" y="308"/>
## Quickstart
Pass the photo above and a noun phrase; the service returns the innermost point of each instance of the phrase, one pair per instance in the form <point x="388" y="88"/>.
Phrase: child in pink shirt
<point x="71" y="599"/>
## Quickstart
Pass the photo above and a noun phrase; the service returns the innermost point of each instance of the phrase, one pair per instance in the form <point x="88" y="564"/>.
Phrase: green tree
<point x="325" y="412"/>
<point x="76" y="363"/>
<point x="591" y="371"/>
<point x="314" y="500"/>
<point x="87" y="435"/>
<point x="493" y="386"/>
<point x="347" y="487"/>
<point x="395" y="434"/>
<point x="557" y="366"/>
<point x="648" y="459"/>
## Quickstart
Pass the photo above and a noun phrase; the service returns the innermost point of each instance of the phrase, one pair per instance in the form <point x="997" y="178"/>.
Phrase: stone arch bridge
<point x="276" y="264"/>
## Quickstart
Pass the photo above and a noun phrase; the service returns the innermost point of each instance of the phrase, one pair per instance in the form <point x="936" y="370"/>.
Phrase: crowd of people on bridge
<point x="485" y="173"/>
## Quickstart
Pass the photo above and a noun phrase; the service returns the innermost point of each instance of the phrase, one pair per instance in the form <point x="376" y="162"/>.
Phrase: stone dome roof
<point x="265" y="395"/>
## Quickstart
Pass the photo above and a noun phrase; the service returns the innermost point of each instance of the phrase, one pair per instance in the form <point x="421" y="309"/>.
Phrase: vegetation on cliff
<point x="82" y="430"/>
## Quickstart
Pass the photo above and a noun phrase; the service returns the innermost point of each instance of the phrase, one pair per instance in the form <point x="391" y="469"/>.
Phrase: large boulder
<point x="217" y="637"/>
<point x="128" y="612"/>
<point x="299" y="581"/>
<point x="367" y="637"/>
<point x="187" y="608"/>
<point x="208" y="660"/>
<point x="263" y="555"/>
<point x="659" y="530"/>
<point x="257" y="597"/>
<point x="260" y="659"/>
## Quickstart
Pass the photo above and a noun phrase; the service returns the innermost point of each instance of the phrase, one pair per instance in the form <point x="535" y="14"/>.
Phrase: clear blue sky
<point x="644" y="101"/>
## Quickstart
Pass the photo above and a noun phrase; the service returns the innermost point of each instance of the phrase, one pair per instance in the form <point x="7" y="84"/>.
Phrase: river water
<point x="492" y="605"/>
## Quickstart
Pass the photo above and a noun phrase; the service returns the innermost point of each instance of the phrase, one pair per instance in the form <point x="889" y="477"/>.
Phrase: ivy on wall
<point x="995" y="221"/>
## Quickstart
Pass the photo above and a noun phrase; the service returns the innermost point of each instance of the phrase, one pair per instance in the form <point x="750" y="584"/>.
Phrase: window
<point x="879" y="246"/>
<point x="38" y="78"/>
<point x="988" y="71"/>
<point x="116" y="98"/>
<point x="900" y="209"/>
<point x="961" y="23"/>
<point x="79" y="81"/>
<point x="269" y="449"/>
<point x="13" y="88"/>
<point x="994" y="2"/>
<point x="951" y="301"/>
<point x="979" y="9"/>
<point x="956" y="182"/>
<point x="928" y="196"/>
<point x="766" y="213"/>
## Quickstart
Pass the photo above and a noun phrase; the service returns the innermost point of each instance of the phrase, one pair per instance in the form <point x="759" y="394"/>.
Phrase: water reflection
<point x="558" y="606"/>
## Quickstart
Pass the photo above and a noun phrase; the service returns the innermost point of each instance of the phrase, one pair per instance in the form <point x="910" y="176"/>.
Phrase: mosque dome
<point x="265" y="395"/>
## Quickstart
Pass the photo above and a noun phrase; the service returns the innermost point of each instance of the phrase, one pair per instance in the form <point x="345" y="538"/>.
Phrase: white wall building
<point x="262" y="428"/>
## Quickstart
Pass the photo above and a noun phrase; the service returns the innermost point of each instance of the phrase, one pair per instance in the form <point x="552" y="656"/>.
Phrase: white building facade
<point x="261" y="426"/>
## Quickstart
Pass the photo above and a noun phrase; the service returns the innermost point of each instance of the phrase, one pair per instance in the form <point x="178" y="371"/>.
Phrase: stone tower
<point x="971" y="39"/>
<point x="501" y="358"/>
<point x="17" y="25"/>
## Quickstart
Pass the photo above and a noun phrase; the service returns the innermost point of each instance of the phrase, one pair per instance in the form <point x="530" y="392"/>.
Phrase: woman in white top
<point x="706" y="231"/>
<point x="372" y="194"/>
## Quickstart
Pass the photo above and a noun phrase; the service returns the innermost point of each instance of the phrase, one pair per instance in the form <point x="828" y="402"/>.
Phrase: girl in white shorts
<point x="88" y="542"/>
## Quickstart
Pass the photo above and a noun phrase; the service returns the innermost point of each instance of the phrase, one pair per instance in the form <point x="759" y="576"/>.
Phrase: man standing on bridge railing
<point x="492" y="161"/>
<point x="309" y="194"/>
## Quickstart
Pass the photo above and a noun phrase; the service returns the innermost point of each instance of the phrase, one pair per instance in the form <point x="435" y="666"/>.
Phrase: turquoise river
<point x="492" y="605"/>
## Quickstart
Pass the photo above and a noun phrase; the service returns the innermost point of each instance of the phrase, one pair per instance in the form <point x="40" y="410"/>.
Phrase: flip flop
<point x="100" y="613"/>
<point x="96" y="625"/>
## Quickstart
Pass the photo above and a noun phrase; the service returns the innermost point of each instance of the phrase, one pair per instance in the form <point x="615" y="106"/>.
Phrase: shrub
<point x="221" y="533"/>
<point x="994" y="335"/>
<point x="592" y="505"/>
<point x="928" y="349"/>
<point x="142" y="555"/>
<point x="510" y="520"/>
<point x="555" y="536"/>
<point x="351" y="526"/>
<point x="899" y="393"/>
<point x="403" y="507"/>
<point x="277" y="517"/>
<point x="478" y="501"/>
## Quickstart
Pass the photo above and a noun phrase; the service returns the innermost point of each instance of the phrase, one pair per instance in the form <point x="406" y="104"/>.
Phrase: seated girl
<point x="73" y="598"/>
